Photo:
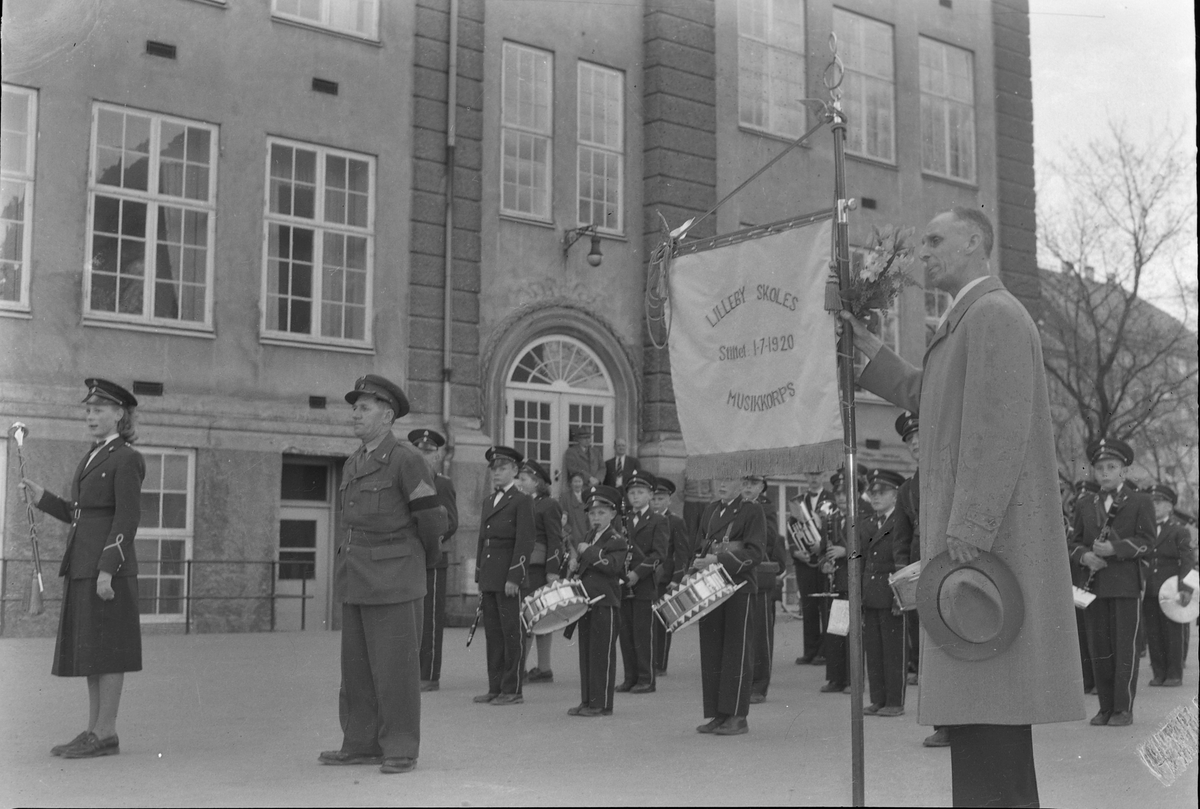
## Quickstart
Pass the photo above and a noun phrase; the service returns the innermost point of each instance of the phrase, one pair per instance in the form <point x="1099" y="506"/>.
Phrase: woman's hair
<point x="127" y="425"/>
<point x="576" y="474"/>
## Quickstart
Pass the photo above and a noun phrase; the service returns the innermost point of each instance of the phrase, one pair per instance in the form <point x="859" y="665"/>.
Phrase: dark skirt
<point x="97" y="636"/>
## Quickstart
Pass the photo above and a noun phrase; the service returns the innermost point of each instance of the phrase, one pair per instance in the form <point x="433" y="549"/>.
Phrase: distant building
<point x="238" y="208"/>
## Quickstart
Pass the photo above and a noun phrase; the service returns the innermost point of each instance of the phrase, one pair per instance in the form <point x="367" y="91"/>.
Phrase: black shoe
<point x="430" y="685"/>
<point x="59" y="749"/>
<point x="733" y="726"/>
<point x="660" y="672"/>
<point x="624" y="687"/>
<point x="1156" y="681"/>
<point x="1091" y="690"/>
<point x="395" y="765"/>
<point x="804" y="661"/>
<point x="1120" y="719"/>
<point x="508" y="699"/>
<point x="819" y="660"/>
<point x="94" y="747"/>
<point x="539" y="676"/>
<point x="589" y="712"/>
<point x="911" y="679"/>
<point x="1172" y="682"/>
<point x="1101" y="718"/>
<point x="872" y="709"/>
<point x="341" y="757"/>
<point x="939" y="738"/>
<point x="712" y="724"/>
<point x="834" y="688"/>
<point x="576" y="710"/>
<point x="643" y="688"/>
<point x="890" y="710"/>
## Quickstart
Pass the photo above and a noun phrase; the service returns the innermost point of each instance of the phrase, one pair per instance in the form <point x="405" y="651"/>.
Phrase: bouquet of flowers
<point x="882" y="275"/>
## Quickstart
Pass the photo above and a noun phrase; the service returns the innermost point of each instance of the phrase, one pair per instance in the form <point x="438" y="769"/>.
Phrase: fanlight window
<point x="561" y="364"/>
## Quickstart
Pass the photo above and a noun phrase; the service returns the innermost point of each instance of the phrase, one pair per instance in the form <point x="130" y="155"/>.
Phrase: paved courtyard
<point x="238" y="720"/>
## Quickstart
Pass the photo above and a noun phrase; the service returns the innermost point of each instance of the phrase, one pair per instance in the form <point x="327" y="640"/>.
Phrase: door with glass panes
<point x="558" y="383"/>
<point x="302" y="572"/>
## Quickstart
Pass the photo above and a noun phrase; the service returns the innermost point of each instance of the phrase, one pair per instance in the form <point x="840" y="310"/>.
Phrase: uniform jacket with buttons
<point x="548" y="535"/>
<point x="735" y="533"/>
<point x="601" y="565"/>
<point x="506" y="538"/>
<point x="878" y="542"/>
<point x="1170" y="554"/>
<point x="679" y="551"/>
<point x="104" y="512"/>
<point x="1131" y="532"/>
<point x="908" y="503"/>
<point x="647" y="550"/>
<point x="392" y="524"/>
<point x="449" y="499"/>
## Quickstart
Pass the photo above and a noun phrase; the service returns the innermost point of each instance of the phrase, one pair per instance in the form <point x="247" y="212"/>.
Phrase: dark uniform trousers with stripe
<point x="764" y="639"/>
<point x="662" y="638"/>
<point x="598" y="657"/>
<point x="434" y="621"/>
<point x="637" y="641"/>
<point x="505" y="642"/>
<point x="883" y="643"/>
<point x="1114" y="618"/>
<point x="506" y="540"/>
<point x="726" y="656"/>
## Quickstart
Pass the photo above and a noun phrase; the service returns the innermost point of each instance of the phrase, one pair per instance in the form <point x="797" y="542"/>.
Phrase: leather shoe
<point x="576" y="710"/>
<point x="712" y="724"/>
<point x="643" y="688"/>
<point x="624" y="688"/>
<point x="341" y="757"/>
<point x="890" y="710"/>
<point x="1091" y="690"/>
<point x="508" y="699"/>
<point x="485" y="697"/>
<point x="939" y="738"/>
<point x="589" y="711"/>
<point x="804" y="661"/>
<point x="94" y="747"/>
<point x="59" y="749"/>
<point x="1120" y="719"/>
<point x="1101" y="718"/>
<point x="756" y="699"/>
<point x="660" y="672"/>
<point x="430" y="685"/>
<point x="733" y="726"/>
<point x="1155" y="681"/>
<point x="911" y="679"/>
<point x="872" y="709"/>
<point x="539" y="676"/>
<point x="833" y="688"/>
<point x="395" y="765"/>
<point x="1173" y="682"/>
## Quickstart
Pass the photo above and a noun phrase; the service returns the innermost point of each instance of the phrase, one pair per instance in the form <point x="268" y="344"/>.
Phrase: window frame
<point x="154" y="200"/>
<point x="946" y="101"/>
<point x="516" y="129"/>
<point x="324" y="24"/>
<point x="769" y="128"/>
<point x="186" y="534"/>
<point x="28" y="178"/>
<point x="942" y="301"/>
<point x="862" y="21"/>
<point x="320" y="228"/>
<point x="596" y="146"/>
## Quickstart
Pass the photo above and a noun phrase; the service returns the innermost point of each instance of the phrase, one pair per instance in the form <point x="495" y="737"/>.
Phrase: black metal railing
<point x="188" y="596"/>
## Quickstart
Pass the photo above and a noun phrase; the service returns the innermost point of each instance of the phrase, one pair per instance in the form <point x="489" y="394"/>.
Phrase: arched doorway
<point x="555" y="384"/>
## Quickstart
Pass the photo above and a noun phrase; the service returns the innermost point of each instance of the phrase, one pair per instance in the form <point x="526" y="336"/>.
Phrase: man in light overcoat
<point x="988" y="483"/>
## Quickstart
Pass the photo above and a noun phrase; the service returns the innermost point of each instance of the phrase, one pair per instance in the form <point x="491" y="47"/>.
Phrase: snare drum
<point x="698" y="594"/>
<point x="904" y="585"/>
<point x="554" y="606"/>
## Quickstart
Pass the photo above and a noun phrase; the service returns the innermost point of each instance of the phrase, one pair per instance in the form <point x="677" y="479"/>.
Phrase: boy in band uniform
<point x="731" y="534"/>
<point x="648" y="534"/>
<point x="506" y="539"/>
<point x="599" y="561"/>
<point x="1171" y="554"/>
<point x="835" y="571"/>
<point x="679" y="556"/>
<point x="1084" y="489"/>
<point x="767" y="576"/>
<point x="883" y="623"/>
<point x="814" y="610"/>
<point x="429" y="443"/>
<point x="1113" y="532"/>
<point x="546" y="562"/>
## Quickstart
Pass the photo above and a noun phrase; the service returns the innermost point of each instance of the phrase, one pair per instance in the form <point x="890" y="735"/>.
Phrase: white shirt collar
<point x="961" y="294"/>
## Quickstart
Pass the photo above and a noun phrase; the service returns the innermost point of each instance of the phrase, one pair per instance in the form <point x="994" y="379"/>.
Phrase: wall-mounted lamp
<point x="594" y="256"/>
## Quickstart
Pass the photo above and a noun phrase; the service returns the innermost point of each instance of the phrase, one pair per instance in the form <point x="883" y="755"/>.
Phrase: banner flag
<point x="754" y="356"/>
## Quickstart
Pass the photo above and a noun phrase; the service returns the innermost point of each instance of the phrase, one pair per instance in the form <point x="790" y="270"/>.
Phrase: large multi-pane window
<point x="771" y="65"/>
<point x="947" y="110"/>
<point x="320" y="244"/>
<point x="151" y="218"/>
<point x="357" y="17"/>
<point x="601" y="146"/>
<point x="18" y="143"/>
<point x="527" y="130"/>
<point x="869" y="87"/>
<point x="164" y="538"/>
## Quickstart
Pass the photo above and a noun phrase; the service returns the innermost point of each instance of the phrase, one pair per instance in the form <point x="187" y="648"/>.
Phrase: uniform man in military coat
<point x="679" y="556"/>
<point x="988" y="483"/>
<point x="648" y="533"/>
<point x="429" y="443"/>
<point x="507" y="535"/>
<point x="392" y="524"/>
<point x="766" y="574"/>
<point x="883" y="624"/>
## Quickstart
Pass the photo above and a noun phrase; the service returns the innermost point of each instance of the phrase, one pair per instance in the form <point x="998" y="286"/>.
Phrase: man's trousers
<point x="1164" y="640"/>
<point x="597" y="639"/>
<point x="1085" y="655"/>
<point x="637" y="641"/>
<point x="505" y="642"/>
<point x="662" y="638"/>
<point x="727" y="657"/>
<point x="764" y="639"/>
<point x="1112" y="625"/>
<point x="992" y="765"/>
<point x="810" y="580"/>
<point x="434" y="623"/>
<point x="380" y="699"/>
<point x="883" y="643"/>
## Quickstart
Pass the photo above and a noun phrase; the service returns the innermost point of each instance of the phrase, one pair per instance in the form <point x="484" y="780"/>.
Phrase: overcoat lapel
<point x="101" y="457"/>
<point x="950" y="322"/>
<point x="489" y="509"/>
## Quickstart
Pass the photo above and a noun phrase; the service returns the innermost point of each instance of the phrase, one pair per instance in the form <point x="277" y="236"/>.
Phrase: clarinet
<point x="1105" y="530"/>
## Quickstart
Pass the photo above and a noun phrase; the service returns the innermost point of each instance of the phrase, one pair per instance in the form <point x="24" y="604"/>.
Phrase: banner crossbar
<point x="746" y="234"/>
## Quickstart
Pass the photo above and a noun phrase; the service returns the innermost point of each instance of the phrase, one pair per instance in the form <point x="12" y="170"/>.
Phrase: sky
<point x="1101" y="60"/>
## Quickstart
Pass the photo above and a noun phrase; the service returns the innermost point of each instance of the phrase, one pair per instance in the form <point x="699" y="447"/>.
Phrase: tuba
<point x="804" y="535"/>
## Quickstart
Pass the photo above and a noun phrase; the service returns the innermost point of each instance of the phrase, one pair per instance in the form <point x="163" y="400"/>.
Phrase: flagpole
<point x="854" y="558"/>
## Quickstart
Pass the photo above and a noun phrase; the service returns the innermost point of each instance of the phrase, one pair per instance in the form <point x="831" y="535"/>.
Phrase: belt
<point x="373" y="539"/>
<point x="499" y="543"/>
<point x="726" y="547"/>
<point x="96" y="511"/>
